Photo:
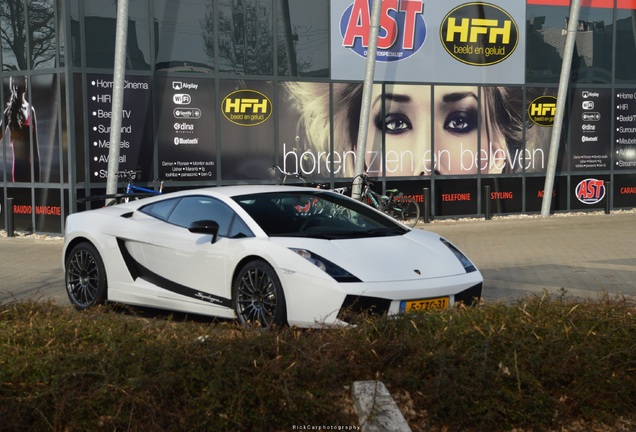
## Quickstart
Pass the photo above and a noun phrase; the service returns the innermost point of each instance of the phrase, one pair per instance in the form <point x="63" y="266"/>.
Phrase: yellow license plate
<point x="439" y="303"/>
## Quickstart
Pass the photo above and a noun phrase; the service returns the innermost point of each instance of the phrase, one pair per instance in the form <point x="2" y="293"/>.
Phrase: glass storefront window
<point x="185" y="36"/>
<point x="546" y="34"/>
<point x="75" y="47"/>
<point x="246" y="37"/>
<point x="13" y="25"/>
<point x="303" y="38"/>
<point x="61" y="31"/>
<point x="625" y="45"/>
<point x="42" y="37"/>
<point x="246" y="129"/>
<point x="592" y="62"/>
<point x="100" y="31"/>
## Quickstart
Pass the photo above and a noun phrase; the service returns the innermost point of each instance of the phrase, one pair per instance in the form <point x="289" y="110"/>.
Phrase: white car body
<point x="151" y="262"/>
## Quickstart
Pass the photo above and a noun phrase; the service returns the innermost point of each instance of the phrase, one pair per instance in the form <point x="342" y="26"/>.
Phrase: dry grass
<point x="543" y="364"/>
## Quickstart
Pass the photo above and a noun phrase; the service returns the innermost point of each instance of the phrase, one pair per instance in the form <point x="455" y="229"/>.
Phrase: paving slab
<point x="577" y="255"/>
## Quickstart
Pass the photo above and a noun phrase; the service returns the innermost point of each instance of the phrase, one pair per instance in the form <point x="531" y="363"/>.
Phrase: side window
<point x="160" y="210"/>
<point x="240" y="229"/>
<point x="194" y="208"/>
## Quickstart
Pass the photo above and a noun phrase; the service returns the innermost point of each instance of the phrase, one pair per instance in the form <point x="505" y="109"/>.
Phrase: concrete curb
<point x="376" y="408"/>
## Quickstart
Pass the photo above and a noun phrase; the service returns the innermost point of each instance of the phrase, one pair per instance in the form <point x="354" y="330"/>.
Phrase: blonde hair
<point x="311" y="100"/>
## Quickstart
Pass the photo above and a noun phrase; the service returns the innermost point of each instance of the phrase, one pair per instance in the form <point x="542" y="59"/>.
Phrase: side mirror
<point x="205" y="227"/>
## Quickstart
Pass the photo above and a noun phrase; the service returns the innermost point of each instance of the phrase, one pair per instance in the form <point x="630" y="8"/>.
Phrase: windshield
<point x="320" y="214"/>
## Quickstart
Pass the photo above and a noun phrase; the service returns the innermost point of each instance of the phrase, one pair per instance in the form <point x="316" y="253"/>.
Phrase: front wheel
<point x="258" y="296"/>
<point x="406" y="210"/>
<point x="85" y="277"/>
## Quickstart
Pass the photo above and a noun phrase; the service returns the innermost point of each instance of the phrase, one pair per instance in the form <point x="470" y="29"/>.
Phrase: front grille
<point x="354" y="305"/>
<point x="470" y="296"/>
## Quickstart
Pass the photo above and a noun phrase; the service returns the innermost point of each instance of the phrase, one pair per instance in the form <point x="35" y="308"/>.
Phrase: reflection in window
<point x="196" y="208"/>
<point x="13" y="25"/>
<point x="625" y="42"/>
<point x="100" y="27"/>
<point x="185" y="35"/>
<point x="245" y="37"/>
<point x="45" y="99"/>
<point x="75" y="47"/>
<point x="42" y="37"/>
<point x="547" y="30"/>
<point x="303" y="38"/>
<point x="592" y="62"/>
<point x="61" y="32"/>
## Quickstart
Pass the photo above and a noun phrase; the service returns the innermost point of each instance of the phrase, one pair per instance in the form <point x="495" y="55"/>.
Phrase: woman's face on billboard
<point x="456" y="130"/>
<point x="407" y="122"/>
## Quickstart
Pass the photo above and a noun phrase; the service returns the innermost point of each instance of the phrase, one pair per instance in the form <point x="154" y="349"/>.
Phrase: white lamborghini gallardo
<point x="265" y="255"/>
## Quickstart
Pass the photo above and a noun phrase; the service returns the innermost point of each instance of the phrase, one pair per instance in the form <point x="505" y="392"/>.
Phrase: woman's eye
<point x="460" y="122"/>
<point x="397" y="123"/>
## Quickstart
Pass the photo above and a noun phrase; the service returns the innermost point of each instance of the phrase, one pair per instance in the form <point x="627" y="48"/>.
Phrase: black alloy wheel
<point x="85" y="277"/>
<point x="258" y="296"/>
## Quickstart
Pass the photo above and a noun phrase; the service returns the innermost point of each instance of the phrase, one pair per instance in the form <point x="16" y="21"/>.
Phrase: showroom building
<point x="218" y="91"/>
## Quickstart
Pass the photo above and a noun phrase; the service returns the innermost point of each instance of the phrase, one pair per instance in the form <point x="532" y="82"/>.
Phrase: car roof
<point x="237" y="190"/>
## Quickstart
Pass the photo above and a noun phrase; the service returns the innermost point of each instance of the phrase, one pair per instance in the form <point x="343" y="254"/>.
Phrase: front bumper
<point x="355" y="305"/>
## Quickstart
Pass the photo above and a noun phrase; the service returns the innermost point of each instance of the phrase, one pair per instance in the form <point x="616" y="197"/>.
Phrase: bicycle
<point x="131" y="191"/>
<point x="313" y="207"/>
<point x="134" y="191"/>
<point x="395" y="204"/>
<point x="299" y="176"/>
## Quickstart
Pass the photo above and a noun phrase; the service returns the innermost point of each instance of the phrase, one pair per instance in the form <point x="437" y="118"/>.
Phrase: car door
<point x="186" y="266"/>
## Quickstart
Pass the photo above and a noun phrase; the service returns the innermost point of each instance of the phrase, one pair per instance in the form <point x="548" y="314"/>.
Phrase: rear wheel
<point x="406" y="211"/>
<point x="258" y="296"/>
<point x="85" y="277"/>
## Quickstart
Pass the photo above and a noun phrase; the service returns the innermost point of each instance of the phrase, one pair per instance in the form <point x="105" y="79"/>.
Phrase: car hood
<point x="415" y="255"/>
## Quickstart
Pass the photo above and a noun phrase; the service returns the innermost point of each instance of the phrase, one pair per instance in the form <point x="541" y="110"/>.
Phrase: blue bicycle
<point x="133" y="191"/>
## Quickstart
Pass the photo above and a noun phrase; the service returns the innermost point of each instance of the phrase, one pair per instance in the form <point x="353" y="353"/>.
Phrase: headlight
<point x="468" y="266"/>
<point x="336" y="272"/>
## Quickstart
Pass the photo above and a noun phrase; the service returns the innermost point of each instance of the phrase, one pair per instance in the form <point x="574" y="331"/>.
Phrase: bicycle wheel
<point x="406" y="211"/>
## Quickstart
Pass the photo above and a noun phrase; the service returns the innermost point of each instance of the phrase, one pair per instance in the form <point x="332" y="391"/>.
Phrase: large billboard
<point x="415" y="130"/>
<point x="431" y="41"/>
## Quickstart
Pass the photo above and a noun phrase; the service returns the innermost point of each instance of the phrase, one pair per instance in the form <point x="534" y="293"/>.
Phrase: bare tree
<point x="245" y="36"/>
<point x="38" y="22"/>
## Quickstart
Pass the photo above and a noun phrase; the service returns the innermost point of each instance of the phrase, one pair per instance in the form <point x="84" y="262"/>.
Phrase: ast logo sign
<point x="590" y="191"/>
<point x="402" y="28"/>
<point x="479" y="34"/>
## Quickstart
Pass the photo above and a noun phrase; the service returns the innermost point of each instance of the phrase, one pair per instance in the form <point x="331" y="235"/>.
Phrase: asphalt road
<point x="580" y="255"/>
